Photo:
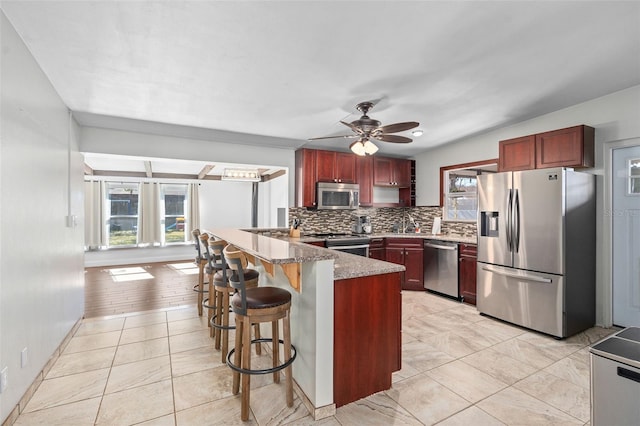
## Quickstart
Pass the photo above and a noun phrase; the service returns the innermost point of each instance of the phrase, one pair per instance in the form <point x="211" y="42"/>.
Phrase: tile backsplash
<point x="382" y="220"/>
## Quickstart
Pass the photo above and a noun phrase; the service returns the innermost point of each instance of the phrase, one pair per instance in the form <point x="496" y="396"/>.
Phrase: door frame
<point x="606" y="290"/>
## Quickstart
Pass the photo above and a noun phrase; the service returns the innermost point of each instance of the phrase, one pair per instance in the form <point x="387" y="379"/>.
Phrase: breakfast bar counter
<point x="345" y="316"/>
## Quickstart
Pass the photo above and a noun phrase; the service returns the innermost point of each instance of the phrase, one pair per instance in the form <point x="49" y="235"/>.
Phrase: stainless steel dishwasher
<point x="441" y="267"/>
<point x="615" y="379"/>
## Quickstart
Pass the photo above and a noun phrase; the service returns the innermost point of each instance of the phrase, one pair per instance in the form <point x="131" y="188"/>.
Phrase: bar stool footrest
<point x="205" y="304"/>
<point x="196" y="288"/>
<point x="275" y="369"/>
<point x="220" y="326"/>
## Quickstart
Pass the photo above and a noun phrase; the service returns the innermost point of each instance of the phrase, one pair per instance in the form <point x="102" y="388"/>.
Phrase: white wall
<point x="273" y="195"/>
<point x="615" y="118"/>
<point x="225" y="204"/>
<point x="41" y="259"/>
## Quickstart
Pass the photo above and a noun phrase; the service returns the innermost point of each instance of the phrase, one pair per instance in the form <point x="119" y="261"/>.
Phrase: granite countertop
<point x="271" y="249"/>
<point x="353" y="266"/>
<point x="275" y="246"/>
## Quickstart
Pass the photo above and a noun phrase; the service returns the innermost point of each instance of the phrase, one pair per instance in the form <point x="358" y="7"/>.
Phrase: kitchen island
<point x="345" y="316"/>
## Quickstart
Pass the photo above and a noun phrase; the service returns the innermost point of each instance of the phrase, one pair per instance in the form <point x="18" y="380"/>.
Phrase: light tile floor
<point x="458" y="368"/>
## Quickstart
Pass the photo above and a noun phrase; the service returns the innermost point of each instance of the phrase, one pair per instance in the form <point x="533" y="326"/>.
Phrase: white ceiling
<point x="292" y="70"/>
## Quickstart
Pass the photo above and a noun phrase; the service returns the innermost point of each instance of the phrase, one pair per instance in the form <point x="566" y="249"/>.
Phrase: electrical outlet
<point x="24" y="358"/>
<point x="3" y="379"/>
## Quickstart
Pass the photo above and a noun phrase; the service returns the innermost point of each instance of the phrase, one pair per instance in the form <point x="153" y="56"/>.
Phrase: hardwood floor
<point x="112" y="290"/>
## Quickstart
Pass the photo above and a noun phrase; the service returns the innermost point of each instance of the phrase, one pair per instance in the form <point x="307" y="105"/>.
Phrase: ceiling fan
<point x="366" y="128"/>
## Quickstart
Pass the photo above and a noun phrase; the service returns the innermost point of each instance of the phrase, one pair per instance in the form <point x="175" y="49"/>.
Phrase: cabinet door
<point x="413" y="276"/>
<point x="345" y="167"/>
<point x="325" y="166"/>
<point x="570" y="147"/>
<point x="394" y="255"/>
<point x="467" y="272"/>
<point x="365" y="179"/>
<point x="382" y="171"/>
<point x="467" y="279"/>
<point x="305" y="178"/>
<point x="377" y="253"/>
<point x="402" y="173"/>
<point x="517" y="154"/>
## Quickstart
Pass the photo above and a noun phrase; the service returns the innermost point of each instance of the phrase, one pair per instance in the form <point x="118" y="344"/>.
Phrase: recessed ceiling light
<point x="417" y="133"/>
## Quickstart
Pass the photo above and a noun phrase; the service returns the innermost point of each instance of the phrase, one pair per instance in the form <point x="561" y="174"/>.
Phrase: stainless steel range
<point x="348" y="243"/>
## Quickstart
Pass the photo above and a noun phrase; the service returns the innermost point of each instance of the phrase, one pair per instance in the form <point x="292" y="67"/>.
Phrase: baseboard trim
<point x="31" y="390"/>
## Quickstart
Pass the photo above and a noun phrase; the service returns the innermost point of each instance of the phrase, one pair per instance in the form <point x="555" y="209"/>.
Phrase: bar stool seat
<point x="254" y="306"/>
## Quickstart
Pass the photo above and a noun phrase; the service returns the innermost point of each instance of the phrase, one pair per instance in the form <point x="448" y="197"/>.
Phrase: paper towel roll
<point x="435" y="228"/>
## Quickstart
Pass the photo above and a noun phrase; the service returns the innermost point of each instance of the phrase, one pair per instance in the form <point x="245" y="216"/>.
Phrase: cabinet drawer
<point x="468" y="250"/>
<point x="376" y="243"/>
<point x="404" y="242"/>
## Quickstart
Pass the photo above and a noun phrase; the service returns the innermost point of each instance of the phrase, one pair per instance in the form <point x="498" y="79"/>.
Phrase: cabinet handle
<point x="628" y="374"/>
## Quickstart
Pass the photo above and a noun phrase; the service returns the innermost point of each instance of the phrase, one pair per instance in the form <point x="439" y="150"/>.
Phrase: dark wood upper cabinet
<point x="391" y="172"/>
<point x="364" y="167"/>
<point x="313" y="165"/>
<point x="382" y="175"/>
<point x="337" y="167"/>
<point x="570" y="147"/>
<point x="306" y="178"/>
<point x="517" y="154"/>
<point x="402" y="173"/>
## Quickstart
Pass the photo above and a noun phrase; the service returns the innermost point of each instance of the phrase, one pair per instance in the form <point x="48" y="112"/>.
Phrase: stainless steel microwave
<point x="336" y="196"/>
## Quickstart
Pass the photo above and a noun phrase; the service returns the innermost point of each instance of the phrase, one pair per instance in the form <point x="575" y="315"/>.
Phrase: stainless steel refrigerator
<point x="536" y="249"/>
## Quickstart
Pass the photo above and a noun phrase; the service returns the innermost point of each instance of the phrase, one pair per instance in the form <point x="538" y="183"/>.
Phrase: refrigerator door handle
<point x="508" y="227"/>
<point x="516" y="223"/>
<point x="526" y="277"/>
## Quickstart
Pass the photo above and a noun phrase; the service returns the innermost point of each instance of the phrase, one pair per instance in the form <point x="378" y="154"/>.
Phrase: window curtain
<point x="95" y="230"/>
<point x="193" y="218"/>
<point x="149" y="214"/>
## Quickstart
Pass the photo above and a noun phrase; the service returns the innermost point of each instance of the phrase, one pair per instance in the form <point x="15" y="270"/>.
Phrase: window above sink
<point x="458" y="189"/>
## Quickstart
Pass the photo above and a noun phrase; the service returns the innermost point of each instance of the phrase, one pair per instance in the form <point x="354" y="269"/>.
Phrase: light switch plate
<point x="24" y="357"/>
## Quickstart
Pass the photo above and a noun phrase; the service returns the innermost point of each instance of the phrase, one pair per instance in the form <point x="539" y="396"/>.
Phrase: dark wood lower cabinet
<point x="367" y="335"/>
<point x="410" y="253"/>
<point x="376" y="249"/>
<point x="468" y="256"/>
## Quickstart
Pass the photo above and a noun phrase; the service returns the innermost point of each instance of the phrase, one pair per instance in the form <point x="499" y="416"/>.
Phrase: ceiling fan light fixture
<point x="417" y="133"/>
<point x="358" y="148"/>
<point x="370" y="148"/>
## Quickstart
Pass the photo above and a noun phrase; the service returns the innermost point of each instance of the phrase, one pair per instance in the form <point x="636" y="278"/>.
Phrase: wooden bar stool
<point x="213" y="265"/>
<point x="201" y="262"/>
<point x="222" y="291"/>
<point x="254" y="306"/>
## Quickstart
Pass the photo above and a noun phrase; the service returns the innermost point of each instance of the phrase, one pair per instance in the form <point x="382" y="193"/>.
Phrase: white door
<point x="626" y="236"/>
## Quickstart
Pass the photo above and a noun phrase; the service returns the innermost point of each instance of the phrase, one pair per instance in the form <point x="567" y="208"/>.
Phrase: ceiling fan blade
<point x="334" y="137"/>
<point x="358" y="130"/>
<point x="392" y="138"/>
<point x="398" y="127"/>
